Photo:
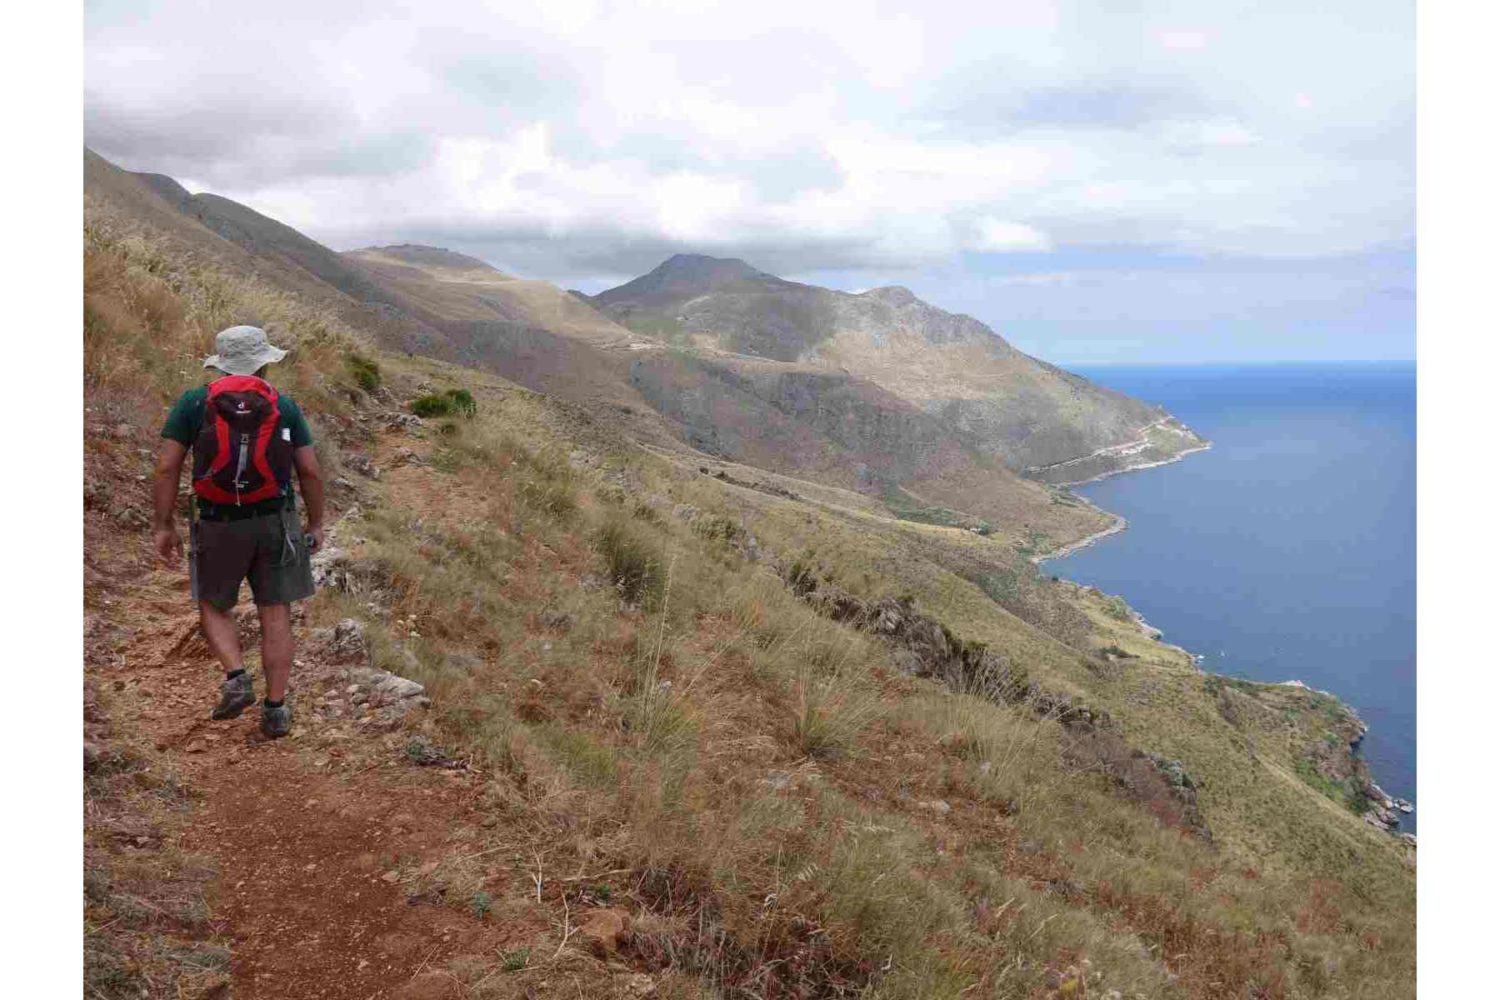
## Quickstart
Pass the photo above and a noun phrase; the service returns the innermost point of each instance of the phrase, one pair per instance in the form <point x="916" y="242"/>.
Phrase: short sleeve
<point x="297" y="424"/>
<point x="183" y="418"/>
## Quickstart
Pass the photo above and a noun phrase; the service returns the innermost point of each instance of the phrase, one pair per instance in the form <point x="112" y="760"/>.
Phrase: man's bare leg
<point x="223" y="635"/>
<point x="276" y="647"/>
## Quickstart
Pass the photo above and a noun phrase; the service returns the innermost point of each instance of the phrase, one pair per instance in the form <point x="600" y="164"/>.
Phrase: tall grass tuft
<point x="828" y="713"/>
<point x="632" y="566"/>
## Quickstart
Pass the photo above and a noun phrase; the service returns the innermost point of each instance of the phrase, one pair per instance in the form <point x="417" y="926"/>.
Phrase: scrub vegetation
<point x="618" y="646"/>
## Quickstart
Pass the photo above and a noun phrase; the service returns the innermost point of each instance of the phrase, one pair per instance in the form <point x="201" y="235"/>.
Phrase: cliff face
<point x="1024" y="412"/>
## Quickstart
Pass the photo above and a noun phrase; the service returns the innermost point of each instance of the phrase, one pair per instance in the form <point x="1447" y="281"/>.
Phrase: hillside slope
<point x="687" y="728"/>
<point x="817" y="423"/>
<point x="456" y="287"/>
<point x="1025" y="412"/>
<point x="690" y="734"/>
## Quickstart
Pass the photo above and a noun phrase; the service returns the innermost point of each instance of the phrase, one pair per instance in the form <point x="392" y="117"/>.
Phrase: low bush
<point x="448" y="403"/>
<point x="366" y="373"/>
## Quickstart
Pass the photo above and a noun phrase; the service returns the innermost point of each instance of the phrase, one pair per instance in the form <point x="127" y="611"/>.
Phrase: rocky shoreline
<point x="1339" y="763"/>
<point x="1333" y="761"/>
<point x="1344" y="763"/>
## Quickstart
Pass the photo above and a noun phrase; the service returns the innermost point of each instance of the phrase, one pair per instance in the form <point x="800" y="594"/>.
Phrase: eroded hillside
<point x="687" y="727"/>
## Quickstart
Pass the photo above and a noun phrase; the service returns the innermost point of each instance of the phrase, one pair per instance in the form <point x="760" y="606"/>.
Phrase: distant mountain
<point x="452" y="287"/>
<point x="265" y="237"/>
<point x="757" y="388"/>
<point x="1027" y="413"/>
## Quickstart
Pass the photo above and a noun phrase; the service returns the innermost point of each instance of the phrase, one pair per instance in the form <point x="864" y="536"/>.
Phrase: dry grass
<point x="784" y="809"/>
<point x="147" y="927"/>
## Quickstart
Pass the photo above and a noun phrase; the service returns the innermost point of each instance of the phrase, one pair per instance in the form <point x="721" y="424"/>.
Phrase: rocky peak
<point x="686" y="276"/>
<point x="896" y="295"/>
<point x="695" y="268"/>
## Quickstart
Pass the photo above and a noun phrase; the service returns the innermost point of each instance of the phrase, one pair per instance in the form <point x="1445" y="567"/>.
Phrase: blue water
<point x="1288" y="550"/>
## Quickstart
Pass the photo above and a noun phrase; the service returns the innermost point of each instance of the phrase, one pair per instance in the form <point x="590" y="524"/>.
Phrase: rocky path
<point x="344" y="868"/>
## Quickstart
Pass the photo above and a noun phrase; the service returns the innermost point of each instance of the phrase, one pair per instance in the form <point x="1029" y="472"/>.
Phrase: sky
<point x="1108" y="182"/>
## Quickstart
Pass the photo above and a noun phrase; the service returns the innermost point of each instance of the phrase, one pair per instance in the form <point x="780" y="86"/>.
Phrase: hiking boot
<point x="235" y="696"/>
<point x="277" y="721"/>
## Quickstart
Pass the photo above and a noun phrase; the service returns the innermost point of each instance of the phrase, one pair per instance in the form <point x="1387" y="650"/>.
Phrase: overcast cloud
<point x="1254" y="158"/>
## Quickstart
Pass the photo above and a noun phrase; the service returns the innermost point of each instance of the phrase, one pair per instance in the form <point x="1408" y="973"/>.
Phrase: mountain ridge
<point x="836" y="429"/>
<point x="1029" y="414"/>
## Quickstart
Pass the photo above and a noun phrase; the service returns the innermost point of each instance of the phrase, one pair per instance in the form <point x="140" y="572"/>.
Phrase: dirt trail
<point x="298" y="839"/>
<point x="329" y="845"/>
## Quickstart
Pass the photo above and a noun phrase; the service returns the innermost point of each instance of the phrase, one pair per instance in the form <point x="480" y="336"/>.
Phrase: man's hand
<point x="164" y="537"/>
<point x="168" y="545"/>
<point x="314" y="536"/>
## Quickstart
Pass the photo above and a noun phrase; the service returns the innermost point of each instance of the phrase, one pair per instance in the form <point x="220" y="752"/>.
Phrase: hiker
<point x="246" y="439"/>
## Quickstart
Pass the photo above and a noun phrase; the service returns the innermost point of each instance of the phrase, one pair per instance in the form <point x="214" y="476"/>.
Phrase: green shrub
<point x="449" y="402"/>
<point x="1116" y="607"/>
<point x="1347" y="792"/>
<point x="366" y="372"/>
<point x="463" y="402"/>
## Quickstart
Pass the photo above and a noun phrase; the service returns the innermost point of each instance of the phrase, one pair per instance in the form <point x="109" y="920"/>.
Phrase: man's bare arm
<point x="164" y="501"/>
<point x="310" y="478"/>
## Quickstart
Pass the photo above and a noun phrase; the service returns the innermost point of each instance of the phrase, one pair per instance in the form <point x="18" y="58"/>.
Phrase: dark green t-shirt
<point x="186" y="417"/>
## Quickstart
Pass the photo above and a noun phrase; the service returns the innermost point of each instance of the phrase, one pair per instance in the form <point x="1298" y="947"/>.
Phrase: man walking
<point x="246" y="439"/>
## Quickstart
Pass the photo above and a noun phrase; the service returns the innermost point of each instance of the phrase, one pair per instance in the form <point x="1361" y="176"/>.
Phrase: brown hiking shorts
<point x="267" y="550"/>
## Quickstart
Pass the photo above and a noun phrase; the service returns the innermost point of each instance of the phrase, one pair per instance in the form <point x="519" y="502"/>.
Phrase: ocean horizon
<point x="1286" y="551"/>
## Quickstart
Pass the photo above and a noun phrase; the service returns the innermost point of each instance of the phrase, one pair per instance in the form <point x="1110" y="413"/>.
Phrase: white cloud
<point x="578" y="134"/>
<point x="1208" y="133"/>
<point x="1000" y="236"/>
<point x="1040" y="280"/>
<point x="1183" y="39"/>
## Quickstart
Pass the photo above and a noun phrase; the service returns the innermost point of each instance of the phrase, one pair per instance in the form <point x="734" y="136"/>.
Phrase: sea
<point x="1288" y="550"/>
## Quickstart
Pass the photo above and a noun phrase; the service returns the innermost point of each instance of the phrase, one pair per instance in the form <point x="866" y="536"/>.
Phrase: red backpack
<point x="241" y="455"/>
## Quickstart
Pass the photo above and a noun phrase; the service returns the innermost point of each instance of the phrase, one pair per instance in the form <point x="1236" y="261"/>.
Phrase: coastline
<point x="1383" y="811"/>
<point x="1119" y="524"/>
<point x="1125" y="450"/>
<point x="1137" y="468"/>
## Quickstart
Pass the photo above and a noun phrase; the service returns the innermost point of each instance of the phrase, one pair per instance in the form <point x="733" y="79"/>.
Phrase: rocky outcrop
<point x="1335" y="759"/>
<point x="1318" y="732"/>
<point x="367" y="694"/>
<point x="925" y="647"/>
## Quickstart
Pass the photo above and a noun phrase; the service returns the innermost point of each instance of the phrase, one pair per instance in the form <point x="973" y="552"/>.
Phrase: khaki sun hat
<point x="242" y="350"/>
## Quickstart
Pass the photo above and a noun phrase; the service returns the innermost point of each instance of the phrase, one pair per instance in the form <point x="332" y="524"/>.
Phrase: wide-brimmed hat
<point x="242" y="350"/>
